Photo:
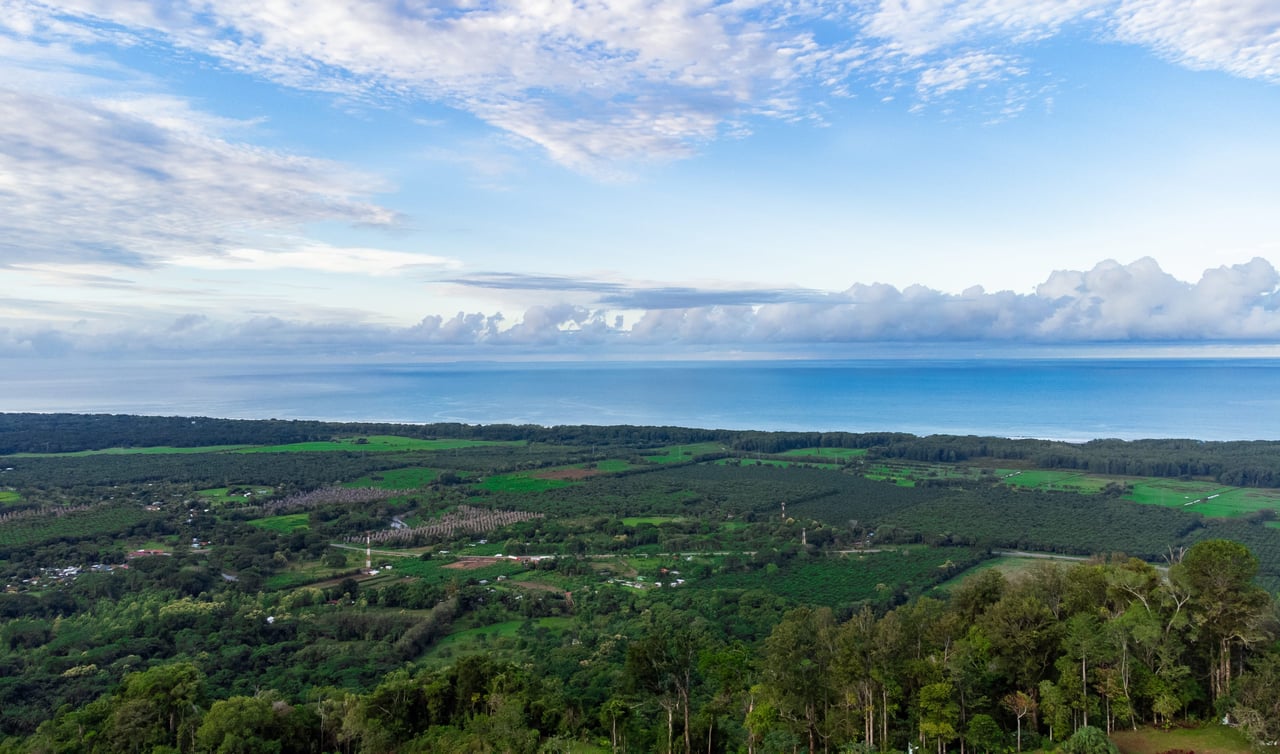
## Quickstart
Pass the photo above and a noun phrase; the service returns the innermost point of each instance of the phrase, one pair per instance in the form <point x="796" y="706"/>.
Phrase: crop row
<point x="464" y="520"/>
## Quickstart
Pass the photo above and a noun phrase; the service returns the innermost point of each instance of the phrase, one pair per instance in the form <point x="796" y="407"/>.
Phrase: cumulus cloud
<point x="1111" y="303"/>
<point x="601" y="82"/>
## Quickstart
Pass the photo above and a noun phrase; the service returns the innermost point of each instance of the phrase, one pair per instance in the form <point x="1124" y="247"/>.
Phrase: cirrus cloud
<point x="131" y="182"/>
<point x="594" y="83"/>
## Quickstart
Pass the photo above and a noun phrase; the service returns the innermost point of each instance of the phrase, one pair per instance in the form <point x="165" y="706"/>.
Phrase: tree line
<point x="1022" y="663"/>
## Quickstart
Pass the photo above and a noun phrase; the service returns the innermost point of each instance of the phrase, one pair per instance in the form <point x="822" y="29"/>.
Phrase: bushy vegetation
<point x="618" y="588"/>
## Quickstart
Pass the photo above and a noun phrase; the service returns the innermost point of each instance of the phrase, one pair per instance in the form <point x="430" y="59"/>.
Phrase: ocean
<point x="1066" y="399"/>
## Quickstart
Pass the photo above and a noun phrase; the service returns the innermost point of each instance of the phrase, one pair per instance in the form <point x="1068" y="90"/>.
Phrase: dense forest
<point x="1242" y="463"/>
<point x="203" y="585"/>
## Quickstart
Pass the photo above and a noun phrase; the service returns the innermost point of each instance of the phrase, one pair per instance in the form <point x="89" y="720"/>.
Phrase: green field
<point x="155" y="450"/>
<point x="1206" y="498"/>
<point x="282" y="524"/>
<point x="522" y="482"/>
<point x="901" y="476"/>
<point x="1211" y="739"/>
<point x="655" y="520"/>
<point x="376" y="444"/>
<point x="836" y="581"/>
<point x="497" y="640"/>
<point x="682" y="453"/>
<point x="1070" y="481"/>
<point x="842" y="453"/>
<point x="397" y="479"/>
<point x="1012" y="567"/>
<point x="774" y="462"/>
<point x="225" y="493"/>
<point x="434" y="571"/>
<point x="9" y="496"/>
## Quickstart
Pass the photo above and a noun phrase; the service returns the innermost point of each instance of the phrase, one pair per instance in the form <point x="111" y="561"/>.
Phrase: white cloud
<point x="596" y="83"/>
<point x="318" y="257"/>
<point x="139" y="180"/>
<point x="622" y="79"/>
<point x="1241" y="37"/>
<point x="1130" y="303"/>
<point x="965" y="71"/>
<point x="917" y="28"/>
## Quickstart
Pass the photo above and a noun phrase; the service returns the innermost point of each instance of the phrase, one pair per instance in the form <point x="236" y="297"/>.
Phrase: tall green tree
<point x="1226" y="605"/>
<point x="797" y="664"/>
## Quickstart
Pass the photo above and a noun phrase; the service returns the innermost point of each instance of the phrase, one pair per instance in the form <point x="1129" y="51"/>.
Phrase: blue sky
<point x="421" y="179"/>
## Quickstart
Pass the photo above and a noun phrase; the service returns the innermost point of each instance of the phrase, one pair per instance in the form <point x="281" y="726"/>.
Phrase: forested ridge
<point x="596" y="589"/>
<point x="1240" y="463"/>
<point x="1001" y="664"/>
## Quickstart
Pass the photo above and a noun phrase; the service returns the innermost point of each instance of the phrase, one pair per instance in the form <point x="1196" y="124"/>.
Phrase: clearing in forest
<point x="1211" y="739"/>
<point x="524" y="481"/>
<point x="285" y="524"/>
<point x="842" y="453"/>
<point x="151" y="450"/>
<point x="410" y="478"/>
<point x="375" y="444"/>
<point x="1209" y="499"/>
<point x="683" y="453"/>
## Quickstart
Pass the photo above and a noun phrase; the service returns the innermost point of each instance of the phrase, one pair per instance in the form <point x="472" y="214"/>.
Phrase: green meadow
<point x="1206" y="498"/>
<point x="683" y="453"/>
<point x="397" y="479"/>
<point x="655" y="520"/>
<point x="774" y="462"/>
<point x="1211" y="739"/>
<point x="1069" y="481"/>
<point x="153" y="450"/>
<point x="282" y="524"/>
<point x="376" y="444"/>
<point x="522" y="482"/>
<point x="841" y="453"/>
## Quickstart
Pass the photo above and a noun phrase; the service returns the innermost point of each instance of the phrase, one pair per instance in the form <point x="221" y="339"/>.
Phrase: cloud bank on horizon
<point x="1110" y="303"/>
<point x="391" y="177"/>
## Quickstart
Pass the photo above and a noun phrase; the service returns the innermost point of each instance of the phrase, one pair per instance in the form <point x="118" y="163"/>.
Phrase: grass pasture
<point x="375" y="444"/>
<point x="837" y="453"/>
<point x="498" y="640"/>
<point x="684" y="453"/>
<point x="1068" y="481"/>
<point x="522" y="481"/>
<point x="445" y="570"/>
<point x="8" y="497"/>
<point x="397" y="479"/>
<point x="226" y="494"/>
<point x="1211" y="739"/>
<point x="155" y="450"/>
<point x="774" y="462"/>
<point x="1206" y="498"/>
<point x="1011" y="566"/>
<point x="282" y="524"/>
<point x="907" y="473"/>
<point x="836" y="581"/>
<point x="655" y="520"/>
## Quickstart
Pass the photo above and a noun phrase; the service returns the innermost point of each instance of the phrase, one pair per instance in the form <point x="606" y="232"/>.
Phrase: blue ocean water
<point x="1070" y="399"/>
